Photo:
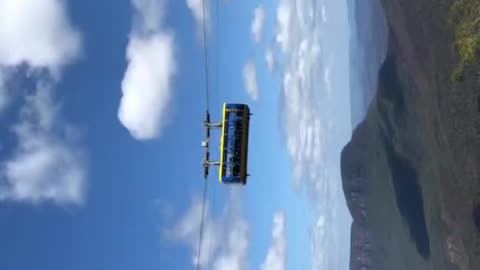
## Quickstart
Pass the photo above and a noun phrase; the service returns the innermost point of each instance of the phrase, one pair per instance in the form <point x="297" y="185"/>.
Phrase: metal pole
<point x="216" y="125"/>
<point x="214" y="163"/>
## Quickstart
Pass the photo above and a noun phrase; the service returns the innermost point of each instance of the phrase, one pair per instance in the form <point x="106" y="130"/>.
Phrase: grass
<point x="465" y="18"/>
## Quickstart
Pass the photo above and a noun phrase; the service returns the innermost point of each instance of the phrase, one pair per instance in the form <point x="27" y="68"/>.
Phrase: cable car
<point x="233" y="144"/>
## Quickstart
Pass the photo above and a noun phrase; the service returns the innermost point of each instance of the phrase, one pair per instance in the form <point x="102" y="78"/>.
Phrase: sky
<point x="101" y="110"/>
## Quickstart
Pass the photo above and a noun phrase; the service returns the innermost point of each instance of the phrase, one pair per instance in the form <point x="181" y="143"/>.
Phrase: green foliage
<point x="465" y="18"/>
<point x="467" y="47"/>
<point x="457" y="75"/>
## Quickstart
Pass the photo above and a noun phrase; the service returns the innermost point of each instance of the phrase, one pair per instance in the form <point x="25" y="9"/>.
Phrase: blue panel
<point x="231" y="180"/>
<point x="236" y="106"/>
<point x="233" y="144"/>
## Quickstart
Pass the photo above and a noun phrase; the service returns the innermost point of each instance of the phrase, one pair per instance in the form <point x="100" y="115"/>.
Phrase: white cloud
<point x="328" y="82"/>
<point x="226" y="238"/>
<point x="277" y="254"/>
<point x="320" y="222"/>
<point x="147" y="84"/>
<point x="187" y="229"/>
<point x="319" y="243"/>
<point x="315" y="125"/>
<point x="37" y="32"/>
<point x="305" y="124"/>
<point x="270" y="59"/>
<point x="284" y="13"/>
<point x="149" y="14"/>
<point x="324" y="13"/>
<point x="45" y="165"/>
<point x="197" y="8"/>
<point x="257" y="23"/>
<point x="250" y="80"/>
<point x="4" y="93"/>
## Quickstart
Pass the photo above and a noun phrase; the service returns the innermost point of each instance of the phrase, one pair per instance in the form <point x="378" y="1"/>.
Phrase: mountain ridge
<point x="410" y="172"/>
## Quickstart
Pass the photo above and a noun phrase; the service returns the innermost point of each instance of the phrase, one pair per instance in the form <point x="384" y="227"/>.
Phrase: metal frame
<point x="206" y="144"/>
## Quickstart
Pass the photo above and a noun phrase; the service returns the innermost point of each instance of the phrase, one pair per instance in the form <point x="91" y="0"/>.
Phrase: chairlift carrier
<point x="233" y="144"/>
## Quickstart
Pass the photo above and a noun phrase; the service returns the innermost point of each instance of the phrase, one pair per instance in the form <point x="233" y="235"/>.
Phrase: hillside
<point x="368" y="45"/>
<point x="411" y="171"/>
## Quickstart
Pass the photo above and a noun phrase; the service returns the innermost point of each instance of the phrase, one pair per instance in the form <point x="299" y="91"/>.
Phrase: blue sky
<point x="101" y="106"/>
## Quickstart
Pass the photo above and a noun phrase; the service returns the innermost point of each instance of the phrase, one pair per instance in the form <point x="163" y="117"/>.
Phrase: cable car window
<point x="234" y="142"/>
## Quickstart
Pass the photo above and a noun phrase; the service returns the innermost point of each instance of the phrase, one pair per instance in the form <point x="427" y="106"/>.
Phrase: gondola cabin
<point x="234" y="144"/>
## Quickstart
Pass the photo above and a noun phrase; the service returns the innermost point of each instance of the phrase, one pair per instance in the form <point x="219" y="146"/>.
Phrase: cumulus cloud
<point x="226" y="238"/>
<point x="312" y="134"/>
<point x="146" y="86"/>
<point x="277" y="253"/>
<point x="46" y="164"/>
<point x="197" y="9"/>
<point x="4" y="93"/>
<point x="250" y="80"/>
<point x="324" y="13"/>
<point x="257" y="23"/>
<point x="305" y="124"/>
<point x="187" y="229"/>
<point x="284" y="13"/>
<point x="147" y="82"/>
<point x="37" y="32"/>
<point x="319" y="243"/>
<point x="149" y="14"/>
<point x="270" y="59"/>
<point x="327" y="80"/>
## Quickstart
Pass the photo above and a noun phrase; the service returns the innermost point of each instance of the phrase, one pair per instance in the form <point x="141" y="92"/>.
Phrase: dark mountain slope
<point x="411" y="170"/>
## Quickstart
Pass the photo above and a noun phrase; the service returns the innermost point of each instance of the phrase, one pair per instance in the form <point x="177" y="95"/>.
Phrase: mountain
<point x="410" y="173"/>
<point x="368" y="45"/>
